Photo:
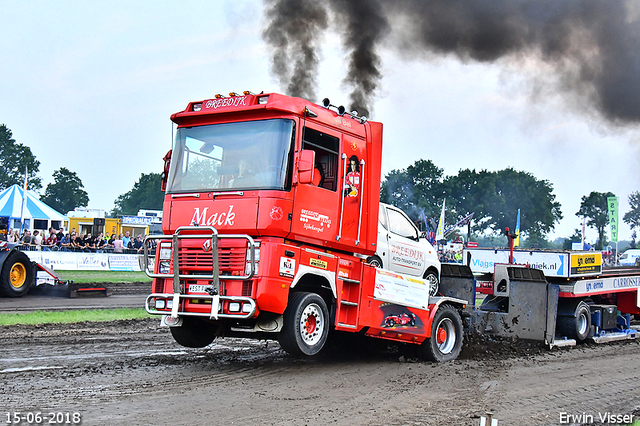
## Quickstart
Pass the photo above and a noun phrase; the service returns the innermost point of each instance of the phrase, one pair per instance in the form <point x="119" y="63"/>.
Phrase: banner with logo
<point x="73" y="261"/>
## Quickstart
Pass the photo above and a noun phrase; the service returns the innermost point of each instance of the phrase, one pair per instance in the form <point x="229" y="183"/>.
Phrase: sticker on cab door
<point x="287" y="267"/>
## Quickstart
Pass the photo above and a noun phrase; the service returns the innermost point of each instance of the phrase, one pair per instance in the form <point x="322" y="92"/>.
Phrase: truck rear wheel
<point x="576" y="326"/>
<point x="194" y="333"/>
<point x="445" y="342"/>
<point x="17" y="275"/>
<point x="306" y="325"/>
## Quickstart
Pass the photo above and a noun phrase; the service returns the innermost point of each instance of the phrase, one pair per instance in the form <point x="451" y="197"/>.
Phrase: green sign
<point x="612" y="203"/>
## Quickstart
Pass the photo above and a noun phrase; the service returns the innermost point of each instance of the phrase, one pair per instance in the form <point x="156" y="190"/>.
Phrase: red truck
<point x="270" y="215"/>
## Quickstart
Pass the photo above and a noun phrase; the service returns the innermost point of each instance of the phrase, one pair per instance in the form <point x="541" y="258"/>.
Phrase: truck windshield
<point x="243" y="155"/>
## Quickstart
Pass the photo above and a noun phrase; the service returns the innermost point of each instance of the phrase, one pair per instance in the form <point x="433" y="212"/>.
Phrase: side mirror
<point x="306" y="166"/>
<point x="165" y="172"/>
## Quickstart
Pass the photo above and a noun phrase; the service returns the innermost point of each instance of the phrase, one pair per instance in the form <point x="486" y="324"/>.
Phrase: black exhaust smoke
<point x="591" y="46"/>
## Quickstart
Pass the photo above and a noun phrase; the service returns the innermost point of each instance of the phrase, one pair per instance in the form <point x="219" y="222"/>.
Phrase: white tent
<point x="37" y="214"/>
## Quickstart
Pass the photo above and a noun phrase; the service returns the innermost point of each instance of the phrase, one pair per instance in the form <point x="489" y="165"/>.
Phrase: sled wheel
<point x="193" y="333"/>
<point x="305" y="327"/>
<point x="445" y="342"/>
<point x="17" y="275"/>
<point x="434" y="284"/>
<point x="576" y="326"/>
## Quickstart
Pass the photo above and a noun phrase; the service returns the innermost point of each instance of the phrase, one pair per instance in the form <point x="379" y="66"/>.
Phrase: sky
<point x="91" y="85"/>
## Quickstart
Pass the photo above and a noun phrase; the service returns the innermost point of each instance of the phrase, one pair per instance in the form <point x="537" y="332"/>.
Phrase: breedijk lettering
<point x="226" y="102"/>
<point x="217" y="218"/>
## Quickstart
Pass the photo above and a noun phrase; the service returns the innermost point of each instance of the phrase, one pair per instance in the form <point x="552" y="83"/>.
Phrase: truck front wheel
<point x="434" y="283"/>
<point x="306" y="327"/>
<point x="17" y="275"/>
<point x="194" y="333"/>
<point x="445" y="342"/>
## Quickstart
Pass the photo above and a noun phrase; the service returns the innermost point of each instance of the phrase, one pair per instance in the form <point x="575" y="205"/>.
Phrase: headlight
<point x="234" y="307"/>
<point x="160" y="303"/>
<point x="164" y="267"/>
<point x="165" y="251"/>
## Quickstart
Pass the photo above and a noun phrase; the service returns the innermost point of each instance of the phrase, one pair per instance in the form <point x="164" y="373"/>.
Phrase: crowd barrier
<point x="81" y="261"/>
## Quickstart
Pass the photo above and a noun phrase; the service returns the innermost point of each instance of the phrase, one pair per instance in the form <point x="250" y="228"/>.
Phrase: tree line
<point x="494" y="199"/>
<point x="67" y="192"/>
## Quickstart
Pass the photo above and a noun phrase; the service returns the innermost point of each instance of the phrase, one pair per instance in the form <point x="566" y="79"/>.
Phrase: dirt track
<point x="132" y="373"/>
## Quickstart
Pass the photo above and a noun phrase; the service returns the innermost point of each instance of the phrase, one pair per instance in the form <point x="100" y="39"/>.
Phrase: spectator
<point x="74" y="244"/>
<point x="60" y="234"/>
<point x="37" y="239"/>
<point x="50" y="242"/>
<point x="65" y="243"/>
<point x="118" y="245"/>
<point x="126" y="240"/>
<point x="12" y="236"/>
<point x="138" y="244"/>
<point x="88" y="243"/>
<point x="100" y="243"/>
<point x="27" y="240"/>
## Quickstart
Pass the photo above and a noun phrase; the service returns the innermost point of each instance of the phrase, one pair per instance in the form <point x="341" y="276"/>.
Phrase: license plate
<point x="198" y="288"/>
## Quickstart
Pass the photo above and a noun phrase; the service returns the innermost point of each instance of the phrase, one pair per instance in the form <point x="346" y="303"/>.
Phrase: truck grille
<point x="231" y="260"/>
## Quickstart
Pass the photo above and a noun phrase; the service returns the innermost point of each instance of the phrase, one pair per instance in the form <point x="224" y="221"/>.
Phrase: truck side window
<point x="399" y="224"/>
<point x="326" y="149"/>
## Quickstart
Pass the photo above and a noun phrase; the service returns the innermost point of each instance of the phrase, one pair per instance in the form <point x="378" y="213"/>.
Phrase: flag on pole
<point x="516" y="240"/>
<point x="612" y="203"/>
<point x="24" y="201"/>
<point x="440" y="231"/>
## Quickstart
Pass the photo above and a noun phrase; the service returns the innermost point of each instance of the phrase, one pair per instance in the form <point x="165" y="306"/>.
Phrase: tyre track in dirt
<point x="131" y="372"/>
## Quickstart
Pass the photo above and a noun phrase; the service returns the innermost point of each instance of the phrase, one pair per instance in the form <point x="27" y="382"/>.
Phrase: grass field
<point x="79" y="315"/>
<point x="103" y="276"/>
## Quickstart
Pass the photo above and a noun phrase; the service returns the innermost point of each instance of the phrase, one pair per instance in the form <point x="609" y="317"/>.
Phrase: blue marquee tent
<point x="34" y="210"/>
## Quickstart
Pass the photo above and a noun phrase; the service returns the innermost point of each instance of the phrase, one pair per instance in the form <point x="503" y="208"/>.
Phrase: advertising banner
<point x="124" y="262"/>
<point x="72" y="261"/>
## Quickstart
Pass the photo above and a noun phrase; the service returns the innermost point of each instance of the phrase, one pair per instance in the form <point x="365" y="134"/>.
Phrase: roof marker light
<point x="218" y="96"/>
<point x="233" y="94"/>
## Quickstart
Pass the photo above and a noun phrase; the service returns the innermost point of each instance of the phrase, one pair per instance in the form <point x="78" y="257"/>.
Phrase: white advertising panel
<point x="124" y="262"/>
<point x="59" y="260"/>
<point x="401" y="289"/>
<point x="93" y="261"/>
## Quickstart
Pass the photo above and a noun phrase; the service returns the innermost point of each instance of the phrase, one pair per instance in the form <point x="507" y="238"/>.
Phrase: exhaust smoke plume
<point x="294" y="34"/>
<point x="592" y="46"/>
<point x="364" y="26"/>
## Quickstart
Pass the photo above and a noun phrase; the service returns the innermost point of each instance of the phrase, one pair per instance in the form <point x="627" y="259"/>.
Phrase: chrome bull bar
<point x="209" y="233"/>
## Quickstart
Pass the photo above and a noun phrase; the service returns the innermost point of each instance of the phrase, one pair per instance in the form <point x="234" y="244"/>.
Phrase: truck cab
<point x="401" y="248"/>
